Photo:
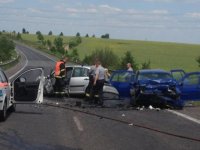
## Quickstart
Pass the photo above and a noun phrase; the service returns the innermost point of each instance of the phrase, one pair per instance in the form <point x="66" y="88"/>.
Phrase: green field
<point x="162" y="55"/>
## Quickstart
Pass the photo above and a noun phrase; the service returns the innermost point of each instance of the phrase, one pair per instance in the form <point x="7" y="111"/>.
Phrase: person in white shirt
<point x="129" y="66"/>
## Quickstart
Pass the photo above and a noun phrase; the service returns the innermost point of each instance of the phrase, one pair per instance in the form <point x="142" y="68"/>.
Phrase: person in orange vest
<point x="60" y="74"/>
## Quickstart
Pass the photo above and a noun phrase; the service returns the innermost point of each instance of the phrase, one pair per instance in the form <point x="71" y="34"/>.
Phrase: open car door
<point x="121" y="80"/>
<point x="190" y="86"/>
<point x="28" y="87"/>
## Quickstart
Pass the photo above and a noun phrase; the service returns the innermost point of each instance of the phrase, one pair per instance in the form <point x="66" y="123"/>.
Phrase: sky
<point x="150" y="20"/>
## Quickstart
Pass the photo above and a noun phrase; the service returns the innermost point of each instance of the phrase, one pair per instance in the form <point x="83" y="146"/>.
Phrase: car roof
<point x="153" y="70"/>
<point x="82" y="66"/>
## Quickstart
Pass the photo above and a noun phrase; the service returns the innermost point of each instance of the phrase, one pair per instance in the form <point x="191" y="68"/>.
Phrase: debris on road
<point x="123" y="115"/>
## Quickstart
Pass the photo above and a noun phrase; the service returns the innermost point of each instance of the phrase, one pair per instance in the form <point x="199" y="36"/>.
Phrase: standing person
<point x="89" y="89"/>
<point x="107" y="75"/>
<point x="60" y="74"/>
<point x="99" y="82"/>
<point x="129" y="66"/>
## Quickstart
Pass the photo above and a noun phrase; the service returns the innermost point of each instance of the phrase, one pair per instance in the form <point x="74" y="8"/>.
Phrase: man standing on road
<point x="99" y="82"/>
<point x="60" y="74"/>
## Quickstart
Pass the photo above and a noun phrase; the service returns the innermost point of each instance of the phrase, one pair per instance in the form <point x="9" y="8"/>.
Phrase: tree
<point x="106" y="36"/>
<point x="58" y="42"/>
<point x="38" y="32"/>
<point x="6" y="48"/>
<point x="93" y="36"/>
<point x="75" y="42"/>
<point x="106" y="56"/>
<point x="50" y="33"/>
<point x="86" y="35"/>
<point x="78" y="34"/>
<point x="19" y="36"/>
<point x="146" y="65"/>
<point x="24" y="31"/>
<point x="198" y="60"/>
<point x="49" y="44"/>
<point x="128" y="58"/>
<point x="61" y="34"/>
<point x="74" y="55"/>
<point x="40" y="36"/>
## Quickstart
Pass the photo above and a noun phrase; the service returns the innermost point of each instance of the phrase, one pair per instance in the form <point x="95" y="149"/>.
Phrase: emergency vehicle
<point x="26" y="88"/>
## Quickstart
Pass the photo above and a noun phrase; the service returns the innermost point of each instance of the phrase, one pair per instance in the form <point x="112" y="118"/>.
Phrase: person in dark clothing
<point x="89" y="89"/>
<point x="99" y="83"/>
<point x="60" y="74"/>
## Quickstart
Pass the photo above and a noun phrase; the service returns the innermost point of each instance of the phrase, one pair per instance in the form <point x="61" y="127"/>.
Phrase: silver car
<point x="77" y="80"/>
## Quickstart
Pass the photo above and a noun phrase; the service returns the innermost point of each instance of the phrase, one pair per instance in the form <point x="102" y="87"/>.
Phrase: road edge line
<point x="21" y="68"/>
<point x="185" y="116"/>
<point x="78" y="123"/>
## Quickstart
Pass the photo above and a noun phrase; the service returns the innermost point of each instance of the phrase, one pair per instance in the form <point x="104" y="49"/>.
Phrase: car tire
<point x="3" y="113"/>
<point x="13" y="108"/>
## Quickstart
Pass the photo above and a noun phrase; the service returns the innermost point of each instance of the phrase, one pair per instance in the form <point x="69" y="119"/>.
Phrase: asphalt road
<point x="43" y="127"/>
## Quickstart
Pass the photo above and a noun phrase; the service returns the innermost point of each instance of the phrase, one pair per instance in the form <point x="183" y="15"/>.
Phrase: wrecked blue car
<point x="157" y="88"/>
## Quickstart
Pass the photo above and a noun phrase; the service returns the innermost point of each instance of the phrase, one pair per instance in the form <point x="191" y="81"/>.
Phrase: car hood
<point x="157" y="83"/>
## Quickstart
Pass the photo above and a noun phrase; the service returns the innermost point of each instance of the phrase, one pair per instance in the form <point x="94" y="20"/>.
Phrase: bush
<point x="128" y="58"/>
<point x="6" y="48"/>
<point x="106" y="56"/>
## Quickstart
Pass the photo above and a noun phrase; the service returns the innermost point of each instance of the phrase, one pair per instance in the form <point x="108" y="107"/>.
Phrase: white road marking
<point x="185" y="116"/>
<point x="78" y="123"/>
<point x="26" y="63"/>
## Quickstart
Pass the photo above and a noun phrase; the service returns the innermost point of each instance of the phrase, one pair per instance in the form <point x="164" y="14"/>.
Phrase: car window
<point x="192" y="79"/>
<point x="68" y="72"/>
<point x="122" y="77"/>
<point x="80" y="72"/>
<point x="178" y="75"/>
<point x="3" y="77"/>
<point x="150" y="75"/>
<point x="32" y="76"/>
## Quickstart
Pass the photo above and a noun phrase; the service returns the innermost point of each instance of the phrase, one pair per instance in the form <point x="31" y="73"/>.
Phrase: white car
<point x="26" y="88"/>
<point x="77" y="80"/>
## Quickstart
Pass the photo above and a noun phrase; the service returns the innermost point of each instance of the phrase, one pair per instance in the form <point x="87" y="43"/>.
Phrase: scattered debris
<point x="123" y="115"/>
<point x="158" y="109"/>
<point x="131" y="124"/>
<point x="57" y="103"/>
<point x="151" y="107"/>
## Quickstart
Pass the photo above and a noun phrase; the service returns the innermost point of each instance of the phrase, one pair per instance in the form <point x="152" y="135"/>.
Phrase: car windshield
<point x="154" y="75"/>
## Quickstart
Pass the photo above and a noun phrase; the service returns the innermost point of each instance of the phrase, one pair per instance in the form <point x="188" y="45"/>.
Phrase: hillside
<point x="161" y="54"/>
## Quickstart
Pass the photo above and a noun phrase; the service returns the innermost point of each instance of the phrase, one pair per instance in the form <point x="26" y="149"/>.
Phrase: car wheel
<point x="3" y="113"/>
<point x="13" y="108"/>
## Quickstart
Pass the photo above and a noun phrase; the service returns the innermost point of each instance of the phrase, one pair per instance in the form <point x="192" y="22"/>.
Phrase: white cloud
<point x="194" y="15"/>
<point x="160" y="12"/>
<point x="33" y="10"/>
<point x="6" y="1"/>
<point x="109" y="9"/>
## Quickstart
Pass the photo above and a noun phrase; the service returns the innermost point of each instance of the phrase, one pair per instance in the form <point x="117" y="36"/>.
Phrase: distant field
<point x="161" y="54"/>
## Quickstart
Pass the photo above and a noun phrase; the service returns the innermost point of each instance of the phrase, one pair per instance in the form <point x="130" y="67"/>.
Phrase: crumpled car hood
<point x="159" y="84"/>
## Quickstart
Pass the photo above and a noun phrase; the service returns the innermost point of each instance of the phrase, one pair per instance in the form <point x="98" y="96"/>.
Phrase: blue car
<point x="155" y="87"/>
